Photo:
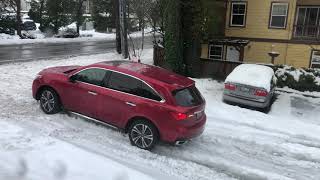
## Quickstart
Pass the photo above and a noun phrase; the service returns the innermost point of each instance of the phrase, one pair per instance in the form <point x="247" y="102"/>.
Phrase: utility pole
<point x="123" y="28"/>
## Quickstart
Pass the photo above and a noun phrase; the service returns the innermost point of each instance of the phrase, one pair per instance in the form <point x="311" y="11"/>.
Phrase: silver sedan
<point x="250" y="85"/>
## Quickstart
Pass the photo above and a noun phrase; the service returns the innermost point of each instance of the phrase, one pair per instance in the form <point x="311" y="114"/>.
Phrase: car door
<point x="125" y="96"/>
<point x="81" y="94"/>
<point x="118" y="100"/>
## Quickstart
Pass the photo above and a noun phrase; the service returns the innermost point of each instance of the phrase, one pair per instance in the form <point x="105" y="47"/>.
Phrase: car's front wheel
<point x="49" y="101"/>
<point x="143" y="134"/>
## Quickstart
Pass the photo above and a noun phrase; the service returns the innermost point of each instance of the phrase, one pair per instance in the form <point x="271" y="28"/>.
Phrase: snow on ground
<point x="238" y="143"/>
<point x="85" y="36"/>
<point x="306" y="93"/>
<point x="53" y="159"/>
<point x="89" y="35"/>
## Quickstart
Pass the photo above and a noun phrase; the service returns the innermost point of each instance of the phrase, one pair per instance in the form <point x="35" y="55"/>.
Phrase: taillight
<point x="261" y="93"/>
<point x="230" y="87"/>
<point x="179" y="116"/>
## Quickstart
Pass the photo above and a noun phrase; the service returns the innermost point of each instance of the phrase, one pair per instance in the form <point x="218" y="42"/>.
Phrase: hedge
<point x="301" y="79"/>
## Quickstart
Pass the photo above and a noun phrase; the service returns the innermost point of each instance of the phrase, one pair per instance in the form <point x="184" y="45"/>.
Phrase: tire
<point x="49" y="101"/>
<point x="143" y="134"/>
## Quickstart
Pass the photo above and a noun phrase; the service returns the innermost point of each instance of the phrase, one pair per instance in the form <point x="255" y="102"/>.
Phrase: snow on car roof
<point x="252" y="75"/>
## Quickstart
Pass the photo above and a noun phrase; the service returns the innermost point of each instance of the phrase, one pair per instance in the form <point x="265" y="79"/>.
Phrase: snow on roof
<point x="252" y="75"/>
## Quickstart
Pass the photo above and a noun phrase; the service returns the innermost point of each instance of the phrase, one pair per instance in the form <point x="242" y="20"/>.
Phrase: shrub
<point x="298" y="79"/>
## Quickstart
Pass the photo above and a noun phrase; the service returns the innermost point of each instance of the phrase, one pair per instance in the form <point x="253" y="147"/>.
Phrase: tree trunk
<point x="118" y="30"/>
<point x="18" y="16"/>
<point x="41" y="12"/>
<point x="79" y="14"/>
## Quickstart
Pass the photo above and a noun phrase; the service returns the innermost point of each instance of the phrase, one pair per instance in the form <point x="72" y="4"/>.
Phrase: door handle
<point x="131" y="104"/>
<point x="92" y="93"/>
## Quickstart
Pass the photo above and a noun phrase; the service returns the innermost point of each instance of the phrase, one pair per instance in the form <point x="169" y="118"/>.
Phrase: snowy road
<point x="72" y="47"/>
<point x="237" y="143"/>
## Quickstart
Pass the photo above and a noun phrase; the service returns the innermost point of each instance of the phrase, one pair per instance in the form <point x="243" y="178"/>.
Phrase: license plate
<point x="244" y="89"/>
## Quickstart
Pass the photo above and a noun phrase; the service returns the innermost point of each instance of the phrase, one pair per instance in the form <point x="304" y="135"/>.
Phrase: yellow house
<point x="256" y="28"/>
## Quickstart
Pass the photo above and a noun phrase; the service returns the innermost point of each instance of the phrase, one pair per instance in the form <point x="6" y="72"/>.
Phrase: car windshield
<point x="187" y="97"/>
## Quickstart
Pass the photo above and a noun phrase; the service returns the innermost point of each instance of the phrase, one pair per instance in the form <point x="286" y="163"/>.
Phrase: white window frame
<point x="312" y="57"/>
<point x="214" y="57"/>
<point x="244" y="15"/>
<point x="286" y="15"/>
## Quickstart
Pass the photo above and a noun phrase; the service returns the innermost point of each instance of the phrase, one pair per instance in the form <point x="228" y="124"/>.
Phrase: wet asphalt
<point x="29" y="52"/>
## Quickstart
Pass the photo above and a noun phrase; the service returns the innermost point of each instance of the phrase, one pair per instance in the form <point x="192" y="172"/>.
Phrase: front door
<point x="232" y="54"/>
<point x="119" y="101"/>
<point x="82" y="95"/>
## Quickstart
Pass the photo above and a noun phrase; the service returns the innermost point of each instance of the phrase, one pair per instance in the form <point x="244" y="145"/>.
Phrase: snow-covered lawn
<point x="85" y="36"/>
<point x="237" y="143"/>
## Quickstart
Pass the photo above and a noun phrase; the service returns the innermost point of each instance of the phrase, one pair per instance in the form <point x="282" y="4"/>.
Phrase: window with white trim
<point x="238" y="14"/>
<point x="216" y="52"/>
<point x="278" y="16"/>
<point x="315" y="59"/>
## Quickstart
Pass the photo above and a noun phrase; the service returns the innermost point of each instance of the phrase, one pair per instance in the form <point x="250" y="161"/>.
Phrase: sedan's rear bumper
<point x="247" y="102"/>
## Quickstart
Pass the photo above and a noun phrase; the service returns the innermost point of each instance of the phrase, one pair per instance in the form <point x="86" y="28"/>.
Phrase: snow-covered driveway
<point x="237" y="143"/>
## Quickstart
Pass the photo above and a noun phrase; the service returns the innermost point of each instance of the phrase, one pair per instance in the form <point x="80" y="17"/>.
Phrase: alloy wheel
<point x="47" y="101"/>
<point x="142" y="136"/>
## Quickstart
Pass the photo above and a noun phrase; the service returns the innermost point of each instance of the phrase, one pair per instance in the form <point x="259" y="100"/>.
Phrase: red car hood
<point x="61" y="69"/>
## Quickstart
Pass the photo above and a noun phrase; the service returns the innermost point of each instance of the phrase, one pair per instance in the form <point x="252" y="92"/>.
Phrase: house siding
<point x="308" y="2"/>
<point x="297" y="55"/>
<point x="204" y="51"/>
<point x="264" y="40"/>
<point x="257" y="21"/>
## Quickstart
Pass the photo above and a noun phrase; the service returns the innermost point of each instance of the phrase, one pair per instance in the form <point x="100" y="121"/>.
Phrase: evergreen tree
<point x="103" y="14"/>
<point x="78" y="13"/>
<point x="213" y="19"/>
<point x="187" y="24"/>
<point x="36" y="12"/>
<point x="58" y="12"/>
<point x="173" y="36"/>
<point x="192" y="22"/>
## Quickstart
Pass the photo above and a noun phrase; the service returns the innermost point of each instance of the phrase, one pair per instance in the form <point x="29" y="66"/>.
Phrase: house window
<point x="307" y="22"/>
<point x="216" y="52"/>
<point x="315" y="59"/>
<point x="278" y="16"/>
<point x="238" y="14"/>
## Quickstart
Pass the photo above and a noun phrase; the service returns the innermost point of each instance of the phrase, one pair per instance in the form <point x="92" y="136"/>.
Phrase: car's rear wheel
<point x="49" y="101"/>
<point x="143" y="134"/>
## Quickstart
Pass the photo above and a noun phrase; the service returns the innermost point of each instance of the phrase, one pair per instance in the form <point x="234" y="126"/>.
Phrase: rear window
<point x="188" y="97"/>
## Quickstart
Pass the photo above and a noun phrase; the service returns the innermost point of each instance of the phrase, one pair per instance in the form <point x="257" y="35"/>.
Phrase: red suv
<point x="147" y="102"/>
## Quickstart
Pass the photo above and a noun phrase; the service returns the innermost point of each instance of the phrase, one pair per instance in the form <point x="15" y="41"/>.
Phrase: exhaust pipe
<point x="179" y="143"/>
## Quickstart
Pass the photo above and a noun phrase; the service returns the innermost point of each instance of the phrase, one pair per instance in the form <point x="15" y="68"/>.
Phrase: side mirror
<point x="72" y="78"/>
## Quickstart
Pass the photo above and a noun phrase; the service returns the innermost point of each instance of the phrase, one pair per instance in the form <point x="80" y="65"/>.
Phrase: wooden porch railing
<point x="217" y="69"/>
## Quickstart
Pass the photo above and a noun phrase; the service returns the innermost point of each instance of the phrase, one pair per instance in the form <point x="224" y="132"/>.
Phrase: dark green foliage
<point x="316" y="72"/>
<point x="192" y="22"/>
<point x="173" y="40"/>
<point x="187" y="25"/>
<point x="213" y="21"/>
<point x="77" y="13"/>
<point x="306" y="80"/>
<point x="58" y="14"/>
<point x="103" y="14"/>
<point x="7" y="22"/>
<point x="36" y="11"/>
